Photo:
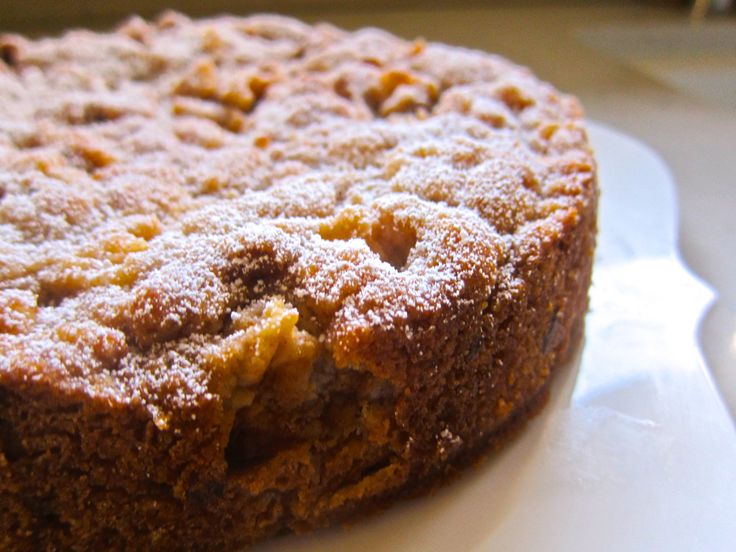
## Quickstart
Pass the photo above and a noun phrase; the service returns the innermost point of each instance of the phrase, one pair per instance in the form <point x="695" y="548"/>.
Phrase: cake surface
<point x="257" y="276"/>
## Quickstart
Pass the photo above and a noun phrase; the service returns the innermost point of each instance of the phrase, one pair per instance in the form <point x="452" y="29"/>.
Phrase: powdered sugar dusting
<point x="165" y="176"/>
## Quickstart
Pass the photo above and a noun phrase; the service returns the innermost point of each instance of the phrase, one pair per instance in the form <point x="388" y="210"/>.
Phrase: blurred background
<point x="661" y="70"/>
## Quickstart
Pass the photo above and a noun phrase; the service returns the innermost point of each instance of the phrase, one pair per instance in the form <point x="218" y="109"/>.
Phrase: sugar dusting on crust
<point x="172" y="175"/>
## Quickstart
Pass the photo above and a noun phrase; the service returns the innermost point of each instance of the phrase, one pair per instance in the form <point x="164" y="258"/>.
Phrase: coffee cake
<point x="258" y="276"/>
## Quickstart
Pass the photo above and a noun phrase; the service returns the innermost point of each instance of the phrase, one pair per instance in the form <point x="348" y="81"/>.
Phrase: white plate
<point x="635" y="451"/>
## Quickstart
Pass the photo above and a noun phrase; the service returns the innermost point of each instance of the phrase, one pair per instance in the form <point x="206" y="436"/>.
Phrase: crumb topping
<point x="185" y="205"/>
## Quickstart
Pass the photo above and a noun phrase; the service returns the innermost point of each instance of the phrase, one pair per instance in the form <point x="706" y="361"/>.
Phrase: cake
<point x="261" y="277"/>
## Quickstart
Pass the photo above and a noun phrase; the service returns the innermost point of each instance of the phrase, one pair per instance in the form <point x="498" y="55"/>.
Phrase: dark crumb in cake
<point x="257" y="276"/>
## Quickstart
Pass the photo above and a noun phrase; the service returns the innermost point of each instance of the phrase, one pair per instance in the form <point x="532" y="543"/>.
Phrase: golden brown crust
<point x="257" y="276"/>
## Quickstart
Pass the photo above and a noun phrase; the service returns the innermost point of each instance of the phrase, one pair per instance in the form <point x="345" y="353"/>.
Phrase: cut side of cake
<point x="260" y="277"/>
